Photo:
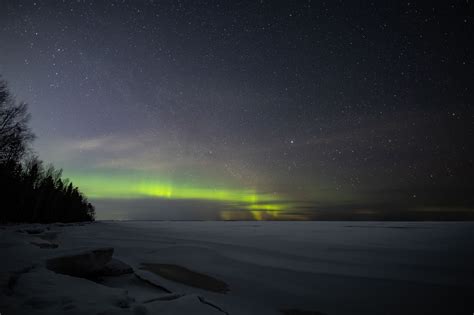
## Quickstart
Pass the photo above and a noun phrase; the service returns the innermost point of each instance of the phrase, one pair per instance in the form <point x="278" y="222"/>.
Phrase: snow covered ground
<point x="244" y="268"/>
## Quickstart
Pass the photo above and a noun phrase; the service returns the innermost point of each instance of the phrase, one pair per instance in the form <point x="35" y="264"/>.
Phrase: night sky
<point x="251" y="110"/>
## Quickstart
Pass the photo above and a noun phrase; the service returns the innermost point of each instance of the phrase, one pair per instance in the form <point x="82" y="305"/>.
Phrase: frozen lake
<point x="281" y="267"/>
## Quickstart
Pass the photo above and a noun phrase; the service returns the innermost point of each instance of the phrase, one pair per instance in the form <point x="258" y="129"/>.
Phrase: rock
<point x="116" y="267"/>
<point x="84" y="264"/>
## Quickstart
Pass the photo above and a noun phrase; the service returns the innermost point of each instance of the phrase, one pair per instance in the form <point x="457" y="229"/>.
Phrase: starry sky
<point x="259" y="110"/>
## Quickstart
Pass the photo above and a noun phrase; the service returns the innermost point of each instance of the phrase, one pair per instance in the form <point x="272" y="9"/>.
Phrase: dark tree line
<point x="30" y="192"/>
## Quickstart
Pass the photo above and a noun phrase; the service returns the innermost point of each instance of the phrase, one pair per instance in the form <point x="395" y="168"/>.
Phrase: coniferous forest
<point x="30" y="191"/>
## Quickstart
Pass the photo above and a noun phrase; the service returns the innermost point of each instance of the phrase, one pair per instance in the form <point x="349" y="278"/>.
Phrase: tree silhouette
<point x="29" y="192"/>
<point x="14" y="132"/>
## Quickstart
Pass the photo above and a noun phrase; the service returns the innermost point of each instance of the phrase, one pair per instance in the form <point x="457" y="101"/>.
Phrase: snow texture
<point x="134" y="267"/>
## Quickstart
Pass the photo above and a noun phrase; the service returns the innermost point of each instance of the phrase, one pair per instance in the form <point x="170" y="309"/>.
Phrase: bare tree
<point x="15" y="134"/>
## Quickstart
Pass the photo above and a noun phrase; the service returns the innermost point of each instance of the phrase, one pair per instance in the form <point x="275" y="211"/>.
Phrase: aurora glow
<point x="123" y="187"/>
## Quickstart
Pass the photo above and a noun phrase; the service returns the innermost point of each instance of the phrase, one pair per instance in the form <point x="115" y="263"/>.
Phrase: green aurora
<point x="117" y="186"/>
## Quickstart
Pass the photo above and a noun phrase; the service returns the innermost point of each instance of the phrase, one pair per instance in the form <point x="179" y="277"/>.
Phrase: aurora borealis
<point x="250" y="110"/>
<point x="123" y="187"/>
